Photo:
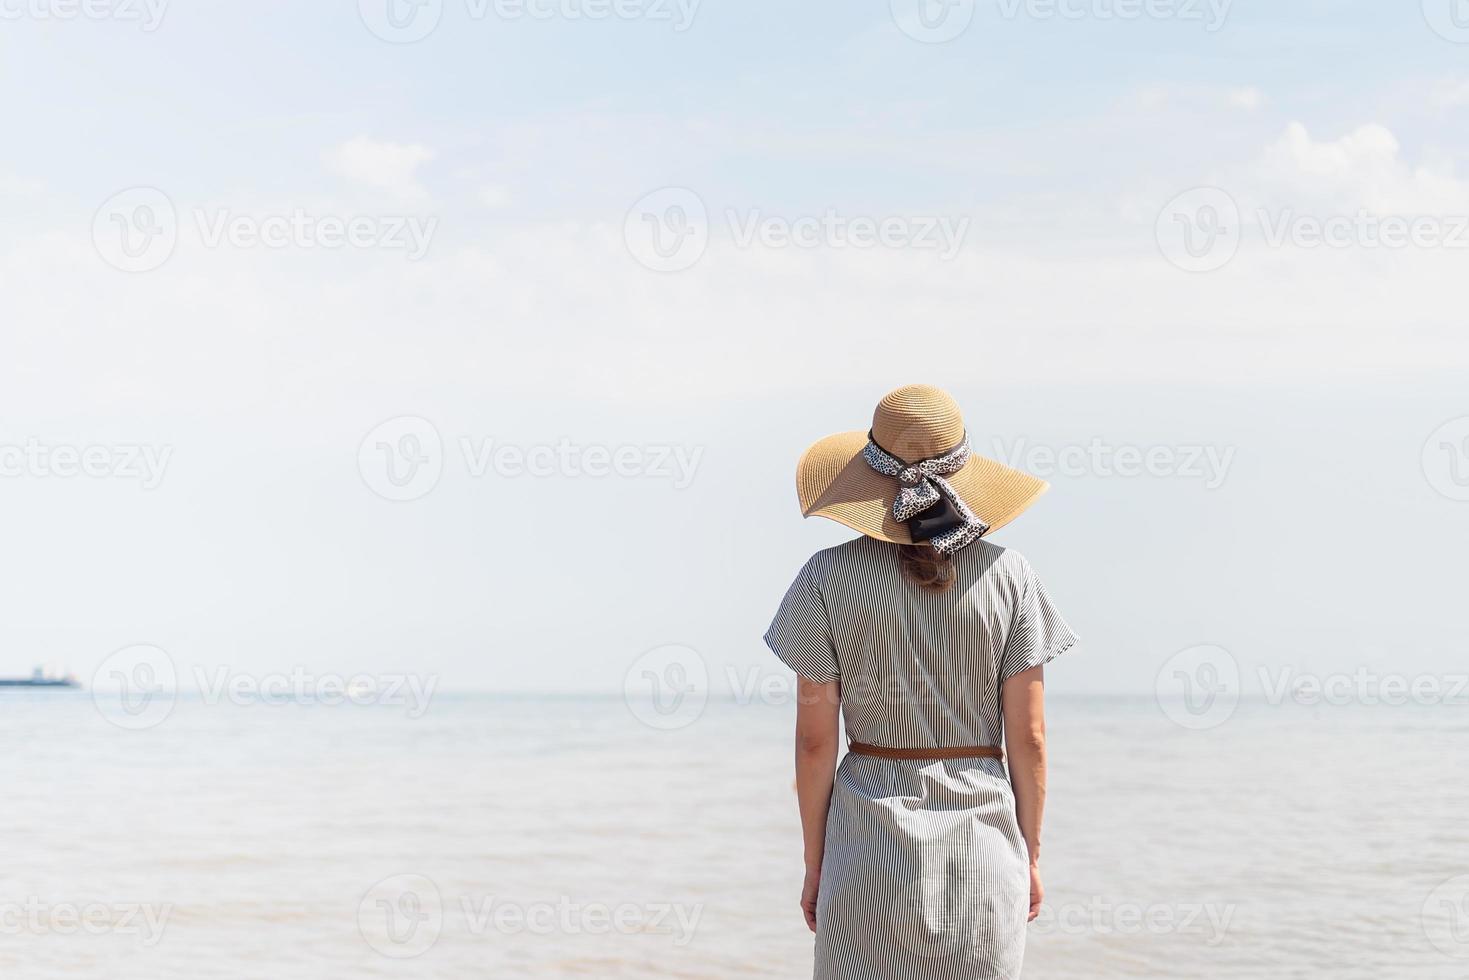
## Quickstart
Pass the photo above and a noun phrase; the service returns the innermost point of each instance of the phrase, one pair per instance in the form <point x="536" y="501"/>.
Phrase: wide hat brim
<point x="834" y="481"/>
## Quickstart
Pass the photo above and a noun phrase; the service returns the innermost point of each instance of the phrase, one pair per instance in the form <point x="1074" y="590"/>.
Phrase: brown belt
<point x="956" y="752"/>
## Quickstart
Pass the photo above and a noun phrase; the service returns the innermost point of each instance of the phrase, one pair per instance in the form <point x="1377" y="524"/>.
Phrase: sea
<point x="504" y="836"/>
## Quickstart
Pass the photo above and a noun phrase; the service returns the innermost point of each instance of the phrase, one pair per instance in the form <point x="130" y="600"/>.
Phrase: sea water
<point x="498" y="836"/>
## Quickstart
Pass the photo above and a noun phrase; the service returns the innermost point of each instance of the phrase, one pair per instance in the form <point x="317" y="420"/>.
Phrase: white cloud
<point x="390" y="167"/>
<point x="1365" y="169"/>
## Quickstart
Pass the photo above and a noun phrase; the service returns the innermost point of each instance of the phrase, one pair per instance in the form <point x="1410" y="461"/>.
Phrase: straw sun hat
<point x="916" y="428"/>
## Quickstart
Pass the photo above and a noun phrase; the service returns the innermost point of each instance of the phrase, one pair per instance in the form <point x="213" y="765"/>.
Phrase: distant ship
<point x="39" y="678"/>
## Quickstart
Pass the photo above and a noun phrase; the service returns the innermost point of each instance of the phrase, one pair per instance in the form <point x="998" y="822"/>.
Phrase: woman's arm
<point x="818" y="708"/>
<point x="1024" y="703"/>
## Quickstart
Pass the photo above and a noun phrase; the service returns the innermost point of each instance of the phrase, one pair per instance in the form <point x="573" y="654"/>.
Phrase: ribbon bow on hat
<point x="922" y="485"/>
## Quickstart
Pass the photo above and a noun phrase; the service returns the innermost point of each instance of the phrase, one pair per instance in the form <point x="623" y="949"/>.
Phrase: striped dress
<point x="925" y="874"/>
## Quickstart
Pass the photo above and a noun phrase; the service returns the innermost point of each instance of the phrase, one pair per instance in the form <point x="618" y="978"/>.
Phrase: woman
<point x="922" y="854"/>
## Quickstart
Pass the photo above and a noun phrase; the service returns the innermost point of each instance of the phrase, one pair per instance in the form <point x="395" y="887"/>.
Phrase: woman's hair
<point x="926" y="568"/>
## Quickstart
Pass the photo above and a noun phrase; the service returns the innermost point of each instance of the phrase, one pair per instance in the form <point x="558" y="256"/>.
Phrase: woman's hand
<point x="1037" y="893"/>
<point x="808" y="896"/>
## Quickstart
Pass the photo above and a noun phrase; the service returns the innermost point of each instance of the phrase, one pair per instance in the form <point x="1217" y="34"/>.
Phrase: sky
<point x="480" y="339"/>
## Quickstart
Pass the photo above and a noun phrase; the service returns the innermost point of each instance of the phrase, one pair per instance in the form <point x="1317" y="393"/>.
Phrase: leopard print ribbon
<point x="920" y="485"/>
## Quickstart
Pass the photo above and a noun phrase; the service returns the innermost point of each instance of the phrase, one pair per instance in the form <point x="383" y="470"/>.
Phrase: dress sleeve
<point x="1037" y="634"/>
<point x="800" y="634"/>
